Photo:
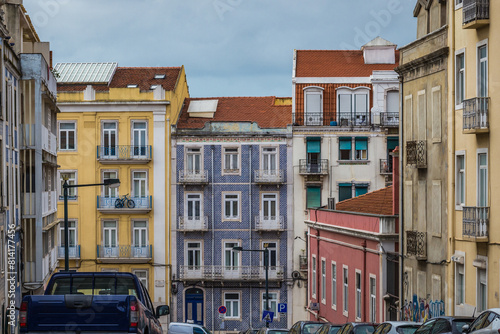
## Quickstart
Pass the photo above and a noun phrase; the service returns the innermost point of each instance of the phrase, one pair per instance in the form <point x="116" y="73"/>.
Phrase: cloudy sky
<point x="228" y="47"/>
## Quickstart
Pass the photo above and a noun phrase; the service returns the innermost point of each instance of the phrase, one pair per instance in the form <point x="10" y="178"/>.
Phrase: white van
<point x="185" y="328"/>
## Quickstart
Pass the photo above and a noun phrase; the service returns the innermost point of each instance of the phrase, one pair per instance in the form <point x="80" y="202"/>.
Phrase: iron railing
<point x="416" y="153"/>
<point x="353" y="119"/>
<point x="74" y="252"/>
<point x="125" y="252"/>
<point x="139" y="203"/>
<point x="416" y="244"/>
<point x="193" y="177"/>
<point x="385" y="166"/>
<point x="269" y="176"/>
<point x="124" y="152"/>
<point x="193" y="223"/>
<point x="476" y="113"/>
<point x="389" y="119"/>
<point x="269" y="223"/>
<point x="313" y="118"/>
<point x="474" y="10"/>
<point x="219" y="272"/>
<point x="475" y="221"/>
<point x="319" y="167"/>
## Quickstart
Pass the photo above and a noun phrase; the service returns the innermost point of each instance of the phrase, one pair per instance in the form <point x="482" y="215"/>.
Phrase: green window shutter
<point x="392" y="142"/>
<point x="314" y="145"/>
<point x="345" y="191"/>
<point x="313" y="197"/>
<point x="361" y="190"/>
<point x="345" y="143"/>
<point x="361" y="144"/>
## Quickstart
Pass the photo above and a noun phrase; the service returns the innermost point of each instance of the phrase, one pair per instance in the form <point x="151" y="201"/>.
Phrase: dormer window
<point x="132" y="86"/>
<point x="313" y="106"/>
<point x="159" y="76"/>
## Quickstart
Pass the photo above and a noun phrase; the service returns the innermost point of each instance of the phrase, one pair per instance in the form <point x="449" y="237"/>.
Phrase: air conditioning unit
<point x="331" y="203"/>
<point x="314" y="306"/>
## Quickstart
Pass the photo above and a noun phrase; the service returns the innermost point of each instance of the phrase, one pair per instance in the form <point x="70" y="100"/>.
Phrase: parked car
<point x="328" y="328"/>
<point x="251" y="331"/>
<point x="266" y="330"/>
<point x="444" y="324"/>
<point x="488" y="322"/>
<point x="186" y="328"/>
<point x="397" y="327"/>
<point x="305" y="327"/>
<point x="358" y="328"/>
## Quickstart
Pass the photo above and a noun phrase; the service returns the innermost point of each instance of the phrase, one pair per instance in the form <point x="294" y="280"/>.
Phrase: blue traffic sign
<point x="267" y="316"/>
<point x="282" y="307"/>
<point x="222" y="309"/>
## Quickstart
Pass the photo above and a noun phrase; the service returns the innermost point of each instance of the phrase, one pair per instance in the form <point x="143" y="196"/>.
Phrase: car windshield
<point x="407" y="329"/>
<point x="462" y="323"/>
<point x="334" y="329"/>
<point x="311" y="328"/>
<point x="364" y="329"/>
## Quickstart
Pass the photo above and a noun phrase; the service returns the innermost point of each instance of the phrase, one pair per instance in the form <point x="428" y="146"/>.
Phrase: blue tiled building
<point x="233" y="188"/>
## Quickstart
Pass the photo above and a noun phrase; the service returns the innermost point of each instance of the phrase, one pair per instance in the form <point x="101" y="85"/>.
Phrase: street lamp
<point x="266" y="265"/>
<point x="113" y="183"/>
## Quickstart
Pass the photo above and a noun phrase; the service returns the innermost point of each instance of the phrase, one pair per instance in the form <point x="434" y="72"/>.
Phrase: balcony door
<point x="140" y="236"/>
<point x="313" y="155"/>
<point x="269" y="210"/>
<point x="109" y="139"/>
<point x="269" y="161"/>
<point x="139" y="145"/>
<point x="110" y="239"/>
<point x="139" y="183"/>
<point x="231" y="260"/>
<point x="193" y="259"/>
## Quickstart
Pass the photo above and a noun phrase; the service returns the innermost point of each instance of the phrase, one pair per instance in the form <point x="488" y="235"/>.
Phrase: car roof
<point x="399" y="323"/>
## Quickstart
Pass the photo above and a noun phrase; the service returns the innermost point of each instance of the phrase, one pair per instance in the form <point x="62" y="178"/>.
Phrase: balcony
<point x="475" y="13"/>
<point x="124" y="154"/>
<point x="385" y="167"/>
<point x="389" y="119"/>
<point x="476" y="115"/>
<point x="353" y="119"/>
<point x="240" y="273"/>
<point x="313" y="118"/>
<point x="270" y="223"/>
<point x="475" y="223"/>
<point x="199" y="177"/>
<point x="193" y="223"/>
<point x="111" y="205"/>
<point x="125" y="254"/>
<point x="74" y="252"/>
<point x="49" y="141"/>
<point x="416" y="244"/>
<point x="265" y="176"/>
<point x="49" y="202"/>
<point x="313" y="168"/>
<point x="416" y="153"/>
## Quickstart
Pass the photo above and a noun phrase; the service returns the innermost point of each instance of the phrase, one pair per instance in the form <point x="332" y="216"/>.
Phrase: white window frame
<point x="141" y="230"/>
<point x="107" y="189"/>
<point x="313" y="277"/>
<point x="274" y="250"/>
<point x="265" y="155"/>
<point x="460" y="174"/>
<point x="232" y="253"/>
<point x="273" y="302"/>
<point x="354" y="92"/>
<point x="139" y="273"/>
<point x="234" y="302"/>
<point x="358" y="281"/>
<point x="458" y="53"/>
<point x="312" y="91"/>
<point x="72" y="192"/>
<point x="110" y="228"/>
<point x="133" y="144"/>
<point x="478" y="168"/>
<point x="189" y="153"/>
<point x="67" y="132"/>
<point x="345" y="290"/>
<point x="373" y="298"/>
<point x="479" y="284"/>
<point x="70" y="228"/>
<point x="264" y="199"/>
<point x="187" y="199"/>
<point x="323" y="280"/>
<point x="227" y="151"/>
<point x="146" y="182"/>
<point x="480" y="44"/>
<point x="232" y="217"/>
<point x="103" y="144"/>
<point x="197" y="251"/>
<point x="334" y="285"/>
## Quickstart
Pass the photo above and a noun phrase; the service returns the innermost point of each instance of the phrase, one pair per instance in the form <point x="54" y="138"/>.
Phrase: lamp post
<point x="266" y="266"/>
<point x="113" y="183"/>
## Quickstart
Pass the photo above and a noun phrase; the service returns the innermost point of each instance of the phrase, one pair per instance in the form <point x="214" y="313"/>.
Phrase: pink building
<point x="354" y="258"/>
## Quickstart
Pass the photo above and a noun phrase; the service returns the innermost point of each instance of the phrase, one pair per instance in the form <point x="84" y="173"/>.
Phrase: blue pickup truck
<point x="91" y="302"/>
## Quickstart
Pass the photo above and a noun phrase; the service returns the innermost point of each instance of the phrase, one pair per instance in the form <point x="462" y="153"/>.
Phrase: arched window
<point x="313" y="106"/>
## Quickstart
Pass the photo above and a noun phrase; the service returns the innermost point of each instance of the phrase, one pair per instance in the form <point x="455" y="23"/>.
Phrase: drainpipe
<point x="401" y="199"/>
<point x="213" y="236"/>
<point x="363" y="244"/>
<point x="250" y="220"/>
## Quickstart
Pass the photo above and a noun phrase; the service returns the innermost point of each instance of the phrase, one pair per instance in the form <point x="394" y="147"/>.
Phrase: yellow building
<point x="472" y="192"/>
<point x="115" y="123"/>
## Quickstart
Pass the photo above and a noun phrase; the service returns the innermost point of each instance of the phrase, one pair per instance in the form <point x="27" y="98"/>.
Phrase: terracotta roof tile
<point x="261" y="110"/>
<point x="378" y="202"/>
<point x="143" y="77"/>
<point x="337" y="63"/>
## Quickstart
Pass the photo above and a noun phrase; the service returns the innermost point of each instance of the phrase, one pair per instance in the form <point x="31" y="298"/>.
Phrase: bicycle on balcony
<point x="124" y="201"/>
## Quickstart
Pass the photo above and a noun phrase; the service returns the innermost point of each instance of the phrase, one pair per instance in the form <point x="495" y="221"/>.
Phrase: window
<point x="459" y="283"/>
<point x="193" y="206"/>
<point x="273" y="302"/>
<point x="231" y="257"/>
<point x="272" y="248"/>
<point x="346" y="290"/>
<point x="269" y="207"/>
<point x="313" y="106"/>
<point x="323" y="281"/>
<point x="139" y="138"/>
<point x="358" y="295"/>
<point x="314" y="155"/>
<point x="361" y="146"/>
<point x="460" y="78"/>
<point x="72" y="236"/>
<point x="345" y="147"/>
<point x="392" y="101"/>
<point x="345" y="191"/>
<point x="352" y="106"/>
<point x="142" y="275"/>
<point x="314" y="277"/>
<point x="193" y="258"/>
<point x="482" y="290"/>
<point x="67" y="136"/>
<point x="482" y="71"/>
<point x="70" y="176"/>
<point x="231" y="160"/>
<point x="313" y="197"/>
<point x="139" y="184"/>
<point x="269" y="159"/>
<point x="110" y="238"/>
<point x="482" y="177"/>
<point x="460" y="180"/>
<point x="458" y="4"/>
<point x="360" y="189"/>
<point x="232" y="304"/>
<point x="373" y="300"/>
<point x="231" y="206"/>
<point x="334" y="285"/>
<point x="109" y="139"/>
<point x="107" y="191"/>
<point x="193" y="160"/>
<point x="140" y="234"/>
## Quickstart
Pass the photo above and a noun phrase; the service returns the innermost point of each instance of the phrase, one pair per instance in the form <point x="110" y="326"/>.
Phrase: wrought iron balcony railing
<point x="416" y="153"/>
<point x="353" y="119"/>
<point x="313" y="118"/>
<point x="193" y="223"/>
<point x="269" y="223"/>
<point x="389" y="119"/>
<point x="125" y="252"/>
<point x="475" y="222"/>
<point x="416" y="244"/>
<point x="269" y="176"/>
<point x="131" y="204"/>
<point x="385" y="166"/>
<point x="475" y="13"/>
<point x="256" y="273"/>
<point x="319" y="167"/>
<point x="124" y="153"/>
<point x="476" y="114"/>
<point x="193" y="177"/>
<point x="74" y="252"/>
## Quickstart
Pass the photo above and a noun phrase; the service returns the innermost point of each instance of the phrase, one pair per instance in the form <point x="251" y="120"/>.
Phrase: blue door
<point x="194" y="306"/>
